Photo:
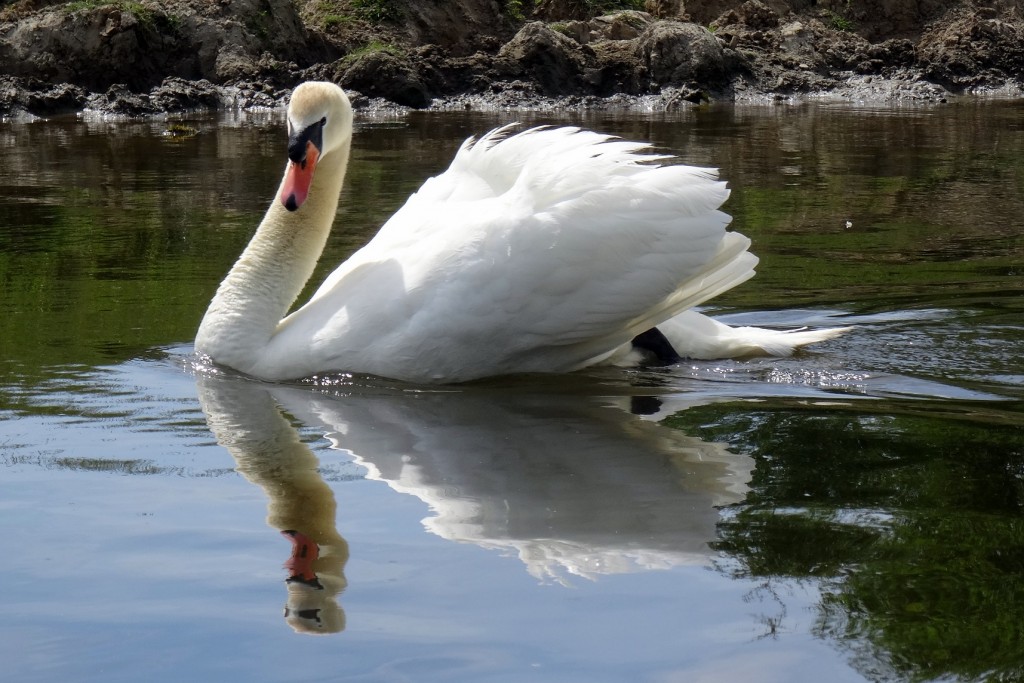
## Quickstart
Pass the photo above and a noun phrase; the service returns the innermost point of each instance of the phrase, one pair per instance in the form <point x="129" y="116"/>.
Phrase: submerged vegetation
<point x="180" y="130"/>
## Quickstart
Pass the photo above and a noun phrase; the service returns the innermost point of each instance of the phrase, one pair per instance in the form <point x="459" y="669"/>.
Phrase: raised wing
<point x="537" y="251"/>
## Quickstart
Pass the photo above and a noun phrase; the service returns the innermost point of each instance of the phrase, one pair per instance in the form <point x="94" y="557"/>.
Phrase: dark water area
<point x="853" y="513"/>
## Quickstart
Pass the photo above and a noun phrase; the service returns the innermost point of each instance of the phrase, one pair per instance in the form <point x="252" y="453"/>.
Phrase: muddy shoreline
<point x="135" y="59"/>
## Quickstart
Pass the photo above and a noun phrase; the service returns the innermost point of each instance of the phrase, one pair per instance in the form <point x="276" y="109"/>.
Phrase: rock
<point x="391" y="76"/>
<point x="618" y="69"/>
<point x="136" y="58"/>
<point x="664" y="9"/>
<point x="971" y="50"/>
<point x="894" y="53"/>
<point x="119" y="100"/>
<point x="89" y="47"/>
<point x="458" y="28"/>
<point x="178" y="94"/>
<point x="580" y="31"/>
<point x="139" y="45"/>
<point x="680" y="54"/>
<point x="758" y="15"/>
<point x="232" y="63"/>
<point x="625" y="25"/>
<point x="28" y="99"/>
<point x="554" y="61"/>
<point x="561" y="10"/>
<point x="62" y="98"/>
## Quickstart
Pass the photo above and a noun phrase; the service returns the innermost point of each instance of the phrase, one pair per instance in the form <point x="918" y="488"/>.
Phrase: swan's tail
<point x="697" y="336"/>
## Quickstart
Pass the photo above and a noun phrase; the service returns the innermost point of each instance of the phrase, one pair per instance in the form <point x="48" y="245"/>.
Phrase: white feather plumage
<point x="542" y="251"/>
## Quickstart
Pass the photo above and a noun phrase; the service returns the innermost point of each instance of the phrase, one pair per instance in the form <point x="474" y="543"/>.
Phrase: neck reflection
<point x="267" y="451"/>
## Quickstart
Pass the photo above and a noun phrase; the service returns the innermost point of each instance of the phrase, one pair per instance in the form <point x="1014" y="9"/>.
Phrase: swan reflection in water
<point x="571" y="483"/>
<point x="267" y="452"/>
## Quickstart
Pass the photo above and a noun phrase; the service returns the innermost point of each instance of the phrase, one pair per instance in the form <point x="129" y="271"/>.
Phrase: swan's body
<point x="546" y="251"/>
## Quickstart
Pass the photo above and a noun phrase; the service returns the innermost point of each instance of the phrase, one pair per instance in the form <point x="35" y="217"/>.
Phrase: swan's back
<point x="541" y="251"/>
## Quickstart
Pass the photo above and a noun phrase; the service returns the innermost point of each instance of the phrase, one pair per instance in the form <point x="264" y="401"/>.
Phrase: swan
<point x="548" y="250"/>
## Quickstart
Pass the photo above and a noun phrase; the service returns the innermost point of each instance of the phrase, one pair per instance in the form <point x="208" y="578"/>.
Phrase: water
<point x="853" y="513"/>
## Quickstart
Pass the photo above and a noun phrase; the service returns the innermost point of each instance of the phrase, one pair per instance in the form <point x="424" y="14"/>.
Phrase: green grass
<point x="517" y="9"/>
<point x="145" y="15"/>
<point x="136" y="8"/>
<point x="560" y="27"/>
<point x="378" y="11"/>
<point x="370" y="48"/>
<point x="841" y="23"/>
<point x="78" y="5"/>
<point x="332" y="20"/>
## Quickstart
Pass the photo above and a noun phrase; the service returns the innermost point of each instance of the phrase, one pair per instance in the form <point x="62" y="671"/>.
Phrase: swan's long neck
<point x="271" y="272"/>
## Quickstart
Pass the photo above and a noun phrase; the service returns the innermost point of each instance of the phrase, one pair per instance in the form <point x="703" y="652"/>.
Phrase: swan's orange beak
<point x="304" y="553"/>
<point x="298" y="177"/>
<point x="304" y="147"/>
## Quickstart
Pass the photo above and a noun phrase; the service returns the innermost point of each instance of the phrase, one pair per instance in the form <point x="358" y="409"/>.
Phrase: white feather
<point x="543" y="251"/>
<point x="697" y="336"/>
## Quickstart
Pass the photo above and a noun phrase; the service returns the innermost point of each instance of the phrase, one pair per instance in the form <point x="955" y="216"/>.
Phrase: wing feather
<point x="535" y="251"/>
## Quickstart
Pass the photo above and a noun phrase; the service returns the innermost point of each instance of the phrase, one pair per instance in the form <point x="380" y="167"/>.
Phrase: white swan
<point x="545" y="251"/>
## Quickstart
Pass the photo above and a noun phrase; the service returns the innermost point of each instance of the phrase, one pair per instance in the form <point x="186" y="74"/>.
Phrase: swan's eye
<point x="323" y="121"/>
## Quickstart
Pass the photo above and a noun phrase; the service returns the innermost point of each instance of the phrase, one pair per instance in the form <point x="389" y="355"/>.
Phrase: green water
<point x="852" y="513"/>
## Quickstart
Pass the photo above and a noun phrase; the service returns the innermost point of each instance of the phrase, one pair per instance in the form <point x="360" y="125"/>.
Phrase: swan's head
<point x="319" y="124"/>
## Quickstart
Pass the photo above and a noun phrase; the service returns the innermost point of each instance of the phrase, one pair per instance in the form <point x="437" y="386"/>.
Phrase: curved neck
<point x="273" y="269"/>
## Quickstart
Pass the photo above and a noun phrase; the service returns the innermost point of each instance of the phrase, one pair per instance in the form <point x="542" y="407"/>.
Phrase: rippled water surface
<point x="852" y="513"/>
